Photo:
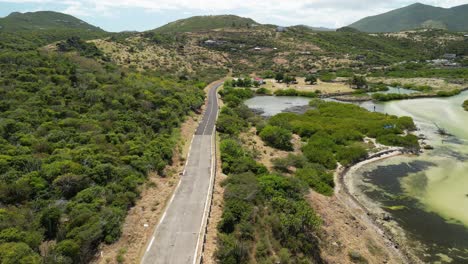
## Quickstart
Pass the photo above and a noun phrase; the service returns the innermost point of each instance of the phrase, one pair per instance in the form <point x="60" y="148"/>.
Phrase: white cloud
<point x="331" y="13"/>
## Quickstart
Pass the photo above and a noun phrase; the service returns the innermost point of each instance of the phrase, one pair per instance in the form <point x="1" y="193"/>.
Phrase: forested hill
<point x="43" y="20"/>
<point x="203" y="23"/>
<point x="78" y="136"/>
<point x="32" y="30"/>
<point x="416" y="16"/>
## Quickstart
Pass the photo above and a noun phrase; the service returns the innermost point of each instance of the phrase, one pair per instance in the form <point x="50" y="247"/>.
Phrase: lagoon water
<point x="431" y="190"/>
<point x="397" y="90"/>
<point x="272" y="105"/>
<point x="428" y="194"/>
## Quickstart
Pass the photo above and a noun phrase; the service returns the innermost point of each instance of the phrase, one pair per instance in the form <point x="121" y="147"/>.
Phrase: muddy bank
<point x="372" y="215"/>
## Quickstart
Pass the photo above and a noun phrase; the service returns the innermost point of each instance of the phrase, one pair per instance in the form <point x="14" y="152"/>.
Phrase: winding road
<point x="178" y="237"/>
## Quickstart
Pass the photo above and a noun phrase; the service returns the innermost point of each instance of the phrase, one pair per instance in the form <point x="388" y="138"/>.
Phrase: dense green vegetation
<point x="448" y="93"/>
<point x="294" y="92"/>
<point x="265" y="218"/>
<point x="416" y="16"/>
<point x="421" y="70"/>
<point x="83" y="48"/>
<point x="394" y="96"/>
<point x="334" y="132"/>
<point x="373" y="50"/>
<point x="78" y="137"/>
<point x="204" y="23"/>
<point x="277" y="137"/>
<point x="465" y="105"/>
<point x="43" y="20"/>
<point x="389" y="97"/>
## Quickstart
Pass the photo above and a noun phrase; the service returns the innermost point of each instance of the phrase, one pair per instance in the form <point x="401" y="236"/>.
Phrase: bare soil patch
<point x="263" y="153"/>
<point x="342" y="234"/>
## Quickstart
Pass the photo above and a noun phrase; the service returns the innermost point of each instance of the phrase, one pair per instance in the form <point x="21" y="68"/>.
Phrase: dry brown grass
<point x="140" y="54"/>
<point x="264" y="153"/>
<point x="323" y="87"/>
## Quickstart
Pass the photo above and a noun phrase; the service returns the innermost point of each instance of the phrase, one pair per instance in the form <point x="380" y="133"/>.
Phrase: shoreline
<point x="411" y="97"/>
<point x="392" y="235"/>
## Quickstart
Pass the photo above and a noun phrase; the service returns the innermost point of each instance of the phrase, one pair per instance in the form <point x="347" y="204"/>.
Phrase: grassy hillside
<point x="261" y="49"/>
<point x="43" y="20"/>
<point x="203" y="23"/>
<point x="416" y="16"/>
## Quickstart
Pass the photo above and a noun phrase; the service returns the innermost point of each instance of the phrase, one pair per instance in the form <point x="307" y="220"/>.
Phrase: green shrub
<point x="448" y="93"/>
<point x="277" y="137"/>
<point x="319" y="180"/>
<point x="263" y="91"/>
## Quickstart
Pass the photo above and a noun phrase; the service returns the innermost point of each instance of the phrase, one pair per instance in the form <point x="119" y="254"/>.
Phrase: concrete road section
<point x="178" y="236"/>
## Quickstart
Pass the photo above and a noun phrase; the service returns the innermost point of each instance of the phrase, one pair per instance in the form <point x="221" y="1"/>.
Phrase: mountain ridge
<point x="416" y="16"/>
<point x="43" y="20"/>
<point x="202" y="23"/>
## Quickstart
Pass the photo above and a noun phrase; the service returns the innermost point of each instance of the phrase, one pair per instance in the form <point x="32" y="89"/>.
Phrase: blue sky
<point x="119" y="15"/>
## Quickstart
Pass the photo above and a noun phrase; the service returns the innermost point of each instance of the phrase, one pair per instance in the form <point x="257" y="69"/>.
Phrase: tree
<point x="288" y="79"/>
<point x="18" y="253"/>
<point x="68" y="248"/>
<point x="359" y="82"/>
<point x="50" y="220"/>
<point x="279" y="77"/>
<point x="311" y="79"/>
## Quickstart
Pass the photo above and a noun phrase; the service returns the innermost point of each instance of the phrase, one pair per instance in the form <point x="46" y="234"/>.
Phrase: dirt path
<point x="350" y="232"/>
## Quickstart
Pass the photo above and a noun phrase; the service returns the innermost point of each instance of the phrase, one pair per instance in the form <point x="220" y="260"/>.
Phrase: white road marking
<point x="210" y="188"/>
<point x="150" y="244"/>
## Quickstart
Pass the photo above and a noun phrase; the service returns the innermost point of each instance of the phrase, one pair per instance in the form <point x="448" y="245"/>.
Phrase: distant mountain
<point x="43" y="20"/>
<point x="320" y="28"/>
<point x="203" y="23"/>
<point x="416" y="16"/>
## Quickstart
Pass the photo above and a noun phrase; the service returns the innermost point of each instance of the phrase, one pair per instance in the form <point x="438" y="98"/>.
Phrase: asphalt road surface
<point x="177" y="238"/>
